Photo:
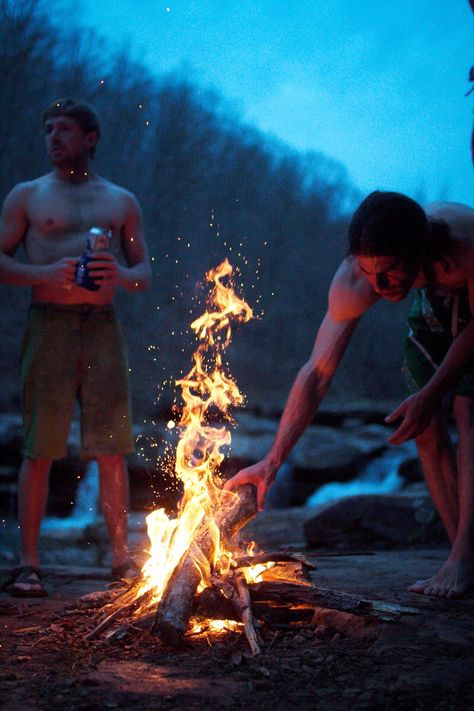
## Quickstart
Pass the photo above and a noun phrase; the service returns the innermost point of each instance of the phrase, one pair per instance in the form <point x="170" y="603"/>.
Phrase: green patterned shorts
<point x="433" y="323"/>
<point x="74" y="353"/>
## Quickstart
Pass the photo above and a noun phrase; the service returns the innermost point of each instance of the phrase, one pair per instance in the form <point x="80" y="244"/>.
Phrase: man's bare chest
<point x="71" y="211"/>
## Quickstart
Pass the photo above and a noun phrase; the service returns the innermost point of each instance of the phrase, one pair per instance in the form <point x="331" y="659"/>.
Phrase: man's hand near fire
<point x="260" y="475"/>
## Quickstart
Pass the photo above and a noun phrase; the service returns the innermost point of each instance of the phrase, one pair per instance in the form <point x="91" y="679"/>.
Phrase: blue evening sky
<point x="376" y="84"/>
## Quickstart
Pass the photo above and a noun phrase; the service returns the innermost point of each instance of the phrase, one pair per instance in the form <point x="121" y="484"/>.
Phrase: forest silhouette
<point x="210" y="186"/>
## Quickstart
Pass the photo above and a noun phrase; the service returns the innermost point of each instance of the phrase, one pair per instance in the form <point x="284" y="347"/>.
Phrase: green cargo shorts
<point x="434" y="321"/>
<point x="75" y="352"/>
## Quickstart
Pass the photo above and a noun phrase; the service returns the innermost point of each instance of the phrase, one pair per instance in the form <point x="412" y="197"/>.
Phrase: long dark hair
<point x="389" y="224"/>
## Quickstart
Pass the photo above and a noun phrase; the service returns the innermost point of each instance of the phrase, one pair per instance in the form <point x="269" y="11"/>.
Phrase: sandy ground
<point x="423" y="660"/>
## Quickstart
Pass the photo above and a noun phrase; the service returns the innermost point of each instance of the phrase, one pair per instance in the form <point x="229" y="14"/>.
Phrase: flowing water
<point x="380" y="476"/>
<point x="86" y="508"/>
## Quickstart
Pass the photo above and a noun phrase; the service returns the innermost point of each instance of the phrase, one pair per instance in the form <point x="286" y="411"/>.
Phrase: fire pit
<point x="198" y="570"/>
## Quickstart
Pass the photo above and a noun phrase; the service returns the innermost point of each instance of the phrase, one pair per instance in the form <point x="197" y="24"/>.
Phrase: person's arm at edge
<point x="312" y="381"/>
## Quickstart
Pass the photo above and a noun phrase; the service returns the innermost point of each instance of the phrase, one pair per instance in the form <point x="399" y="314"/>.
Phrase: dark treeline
<point x="210" y="186"/>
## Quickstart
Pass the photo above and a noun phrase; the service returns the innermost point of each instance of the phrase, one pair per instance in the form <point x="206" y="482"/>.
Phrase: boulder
<point x="321" y="449"/>
<point x="274" y="528"/>
<point x="388" y="520"/>
<point x="326" y="449"/>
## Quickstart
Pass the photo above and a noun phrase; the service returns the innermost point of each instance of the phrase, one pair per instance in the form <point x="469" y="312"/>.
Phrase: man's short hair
<point x="388" y="224"/>
<point x="81" y="112"/>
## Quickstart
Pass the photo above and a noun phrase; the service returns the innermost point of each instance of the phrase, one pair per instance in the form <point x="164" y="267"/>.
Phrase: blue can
<point x="98" y="240"/>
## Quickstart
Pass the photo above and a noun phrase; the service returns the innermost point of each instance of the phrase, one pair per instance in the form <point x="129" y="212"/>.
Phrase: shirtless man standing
<point x="73" y="346"/>
<point x="396" y="246"/>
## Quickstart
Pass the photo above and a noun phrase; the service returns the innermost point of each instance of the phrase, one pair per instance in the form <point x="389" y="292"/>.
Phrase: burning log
<point x="176" y="604"/>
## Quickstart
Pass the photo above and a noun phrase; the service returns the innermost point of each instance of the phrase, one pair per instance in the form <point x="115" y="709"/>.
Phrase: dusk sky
<point x="377" y="85"/>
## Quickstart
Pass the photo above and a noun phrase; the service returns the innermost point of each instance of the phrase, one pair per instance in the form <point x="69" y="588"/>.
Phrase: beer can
<point x="98" y="240"/>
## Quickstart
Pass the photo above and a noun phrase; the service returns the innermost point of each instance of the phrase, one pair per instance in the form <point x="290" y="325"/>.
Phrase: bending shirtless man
<point x="395" y="246"/>
<point x="73" y="346"/>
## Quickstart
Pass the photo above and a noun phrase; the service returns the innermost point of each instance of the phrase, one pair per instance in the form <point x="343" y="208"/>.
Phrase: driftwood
<point x="176" y="604"/>
<point x="286" y="605"/>
<point x="316" y="597"/>
<point x="273" y="598"/>
<point x="271" y="557"/>
<point x="284" y="599"/>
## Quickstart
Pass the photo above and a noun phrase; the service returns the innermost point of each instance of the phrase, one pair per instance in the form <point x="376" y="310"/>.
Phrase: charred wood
<point x="176" y="604"/>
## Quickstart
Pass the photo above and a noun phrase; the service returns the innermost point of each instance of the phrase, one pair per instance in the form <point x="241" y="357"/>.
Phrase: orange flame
<point x="206" y="390"/>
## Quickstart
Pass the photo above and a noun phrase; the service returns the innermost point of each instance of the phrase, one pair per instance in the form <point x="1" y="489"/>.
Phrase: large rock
<point x="381" y="520"/>
<point x="321" y="449"/>
<point x="326" y="449"/>
<point x="275" y="528"/>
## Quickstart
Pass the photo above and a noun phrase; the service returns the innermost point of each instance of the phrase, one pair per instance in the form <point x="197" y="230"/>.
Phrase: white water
<point x="381" y="476"/>
<point x="86" y="508"/>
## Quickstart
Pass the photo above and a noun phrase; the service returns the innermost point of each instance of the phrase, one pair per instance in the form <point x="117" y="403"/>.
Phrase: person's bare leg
<point x="456" y="576"/>
<point x="114" y="502"/>
<point x="33" y="484"/>
<point x="438" y="462"/>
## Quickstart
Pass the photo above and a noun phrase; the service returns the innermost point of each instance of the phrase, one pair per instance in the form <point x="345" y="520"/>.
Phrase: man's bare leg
<point x="114" y="502"/>
<point x="456" y="576"/>
<point x="438" y="462"/>
<point x="33" y="484"/>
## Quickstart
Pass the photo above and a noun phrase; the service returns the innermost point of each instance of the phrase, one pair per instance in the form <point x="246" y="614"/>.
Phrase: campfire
<point x="199" y="576"/>
<point x="197" y="567"/>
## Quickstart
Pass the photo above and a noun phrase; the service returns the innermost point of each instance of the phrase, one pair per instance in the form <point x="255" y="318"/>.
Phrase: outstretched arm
<point x="309" y="388"/>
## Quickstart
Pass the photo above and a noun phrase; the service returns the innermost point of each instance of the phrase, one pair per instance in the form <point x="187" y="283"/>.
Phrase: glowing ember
<point x="208" y="393"/>
<point x="217" y="626"/>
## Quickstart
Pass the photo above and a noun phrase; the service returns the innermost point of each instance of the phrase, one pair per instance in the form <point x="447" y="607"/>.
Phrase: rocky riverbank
<point x="338" y="447"/>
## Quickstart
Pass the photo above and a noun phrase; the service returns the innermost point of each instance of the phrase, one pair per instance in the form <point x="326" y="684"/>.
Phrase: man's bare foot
<point x="452" y="580"/>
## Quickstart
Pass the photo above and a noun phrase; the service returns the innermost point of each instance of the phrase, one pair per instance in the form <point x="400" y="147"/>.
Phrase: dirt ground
<point x="423" y="660"/>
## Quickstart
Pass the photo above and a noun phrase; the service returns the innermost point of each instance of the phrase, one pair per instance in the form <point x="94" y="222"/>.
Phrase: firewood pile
<point x="283" y="596"/>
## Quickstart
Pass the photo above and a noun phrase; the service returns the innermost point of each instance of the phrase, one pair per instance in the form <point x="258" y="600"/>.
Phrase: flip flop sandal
<point x="24" y="575"/>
